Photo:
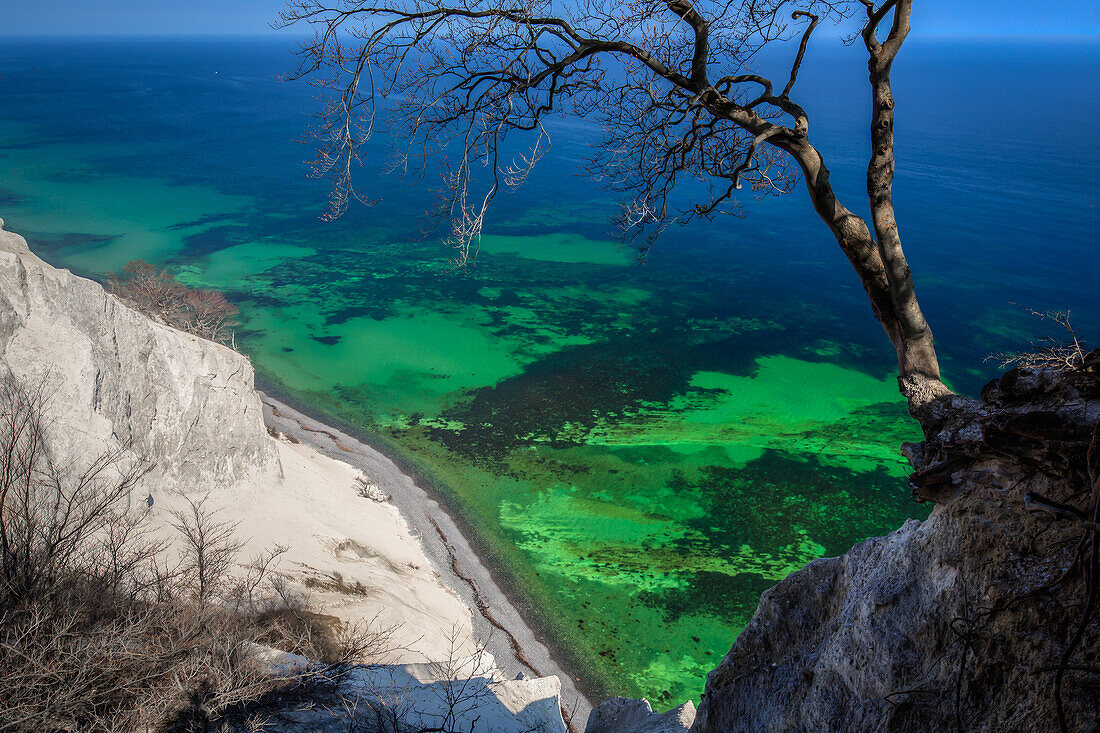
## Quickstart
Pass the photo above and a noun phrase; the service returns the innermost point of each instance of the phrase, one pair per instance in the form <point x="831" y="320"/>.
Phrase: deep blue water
<point x="996" y="191"/>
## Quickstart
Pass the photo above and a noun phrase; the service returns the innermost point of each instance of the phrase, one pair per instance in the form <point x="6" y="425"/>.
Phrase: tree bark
<point x="917" y="354"/>
<point x="918" y="366"/>
<point x="886" y="280"/>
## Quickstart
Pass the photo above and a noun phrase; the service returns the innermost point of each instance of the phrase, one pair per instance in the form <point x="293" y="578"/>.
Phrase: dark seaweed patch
<point x="201" y="221"/>
<point x="710" y="593"/>
<point x="573" y="386"/>
<point x="343" y="315"/>
<point x="775" y="501"/>
<point x="215" y="239"/>
<point x="768" y="502"/>
<point x="47" y="246"/>
<point x="9" y="198"/>
<point x="254" y="299"/>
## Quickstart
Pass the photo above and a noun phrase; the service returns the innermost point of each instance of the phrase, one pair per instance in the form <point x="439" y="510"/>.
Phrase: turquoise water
<point x="640" y="450"/>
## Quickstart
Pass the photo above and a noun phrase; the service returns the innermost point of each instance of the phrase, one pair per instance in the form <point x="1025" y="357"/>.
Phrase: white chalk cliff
<point x="188" y="405"/>
<point x="118" y="378"/>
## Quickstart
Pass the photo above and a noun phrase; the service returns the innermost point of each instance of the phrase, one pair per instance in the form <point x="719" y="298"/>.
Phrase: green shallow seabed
<point x="639" y="463"/>
<point x="640" y="531"/>
<point x="668" y="523"/>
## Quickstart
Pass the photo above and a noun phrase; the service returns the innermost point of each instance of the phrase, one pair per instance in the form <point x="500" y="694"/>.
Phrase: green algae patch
<point x="229" y="268"/>
<point x="684" y="549"/>
<point x="806" y="407"/>
<point x="557" y="247"/>
<point x="421" y="355"/>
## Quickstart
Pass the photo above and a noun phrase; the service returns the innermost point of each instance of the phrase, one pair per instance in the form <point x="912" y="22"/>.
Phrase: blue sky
<point x="159" y="17"/>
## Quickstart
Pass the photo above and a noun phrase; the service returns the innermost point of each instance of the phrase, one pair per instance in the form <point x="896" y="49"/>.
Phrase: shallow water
<point x="640" y="450"/>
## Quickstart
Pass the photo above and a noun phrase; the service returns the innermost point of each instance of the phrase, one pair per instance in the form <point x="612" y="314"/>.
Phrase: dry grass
<point x="100" y="632"/>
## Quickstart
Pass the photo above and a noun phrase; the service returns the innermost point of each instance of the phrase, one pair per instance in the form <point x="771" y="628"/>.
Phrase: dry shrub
<point x="100" y="632"/>
<point x="1063" y="353"/>
<point x="156" y="293"/>
<point x="54" y="516"/>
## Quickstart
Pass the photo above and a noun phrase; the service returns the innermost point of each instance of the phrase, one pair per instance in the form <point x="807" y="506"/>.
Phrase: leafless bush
<point x="123" y="552"/>
<point x="99" y="631"/>
<point x="1064" y="353"/>
<point x="49" y="510"/>
<point x="155" y="292"/>
<point x="389" y="700"/>
<point x="61" y="670"/>
<point x="210" y="548"/>
<point x="464" y="684"/>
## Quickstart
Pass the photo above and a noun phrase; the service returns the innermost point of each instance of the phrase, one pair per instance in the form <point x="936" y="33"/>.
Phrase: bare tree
<point x="464" y="685"/>
<point x="674" y="86"/>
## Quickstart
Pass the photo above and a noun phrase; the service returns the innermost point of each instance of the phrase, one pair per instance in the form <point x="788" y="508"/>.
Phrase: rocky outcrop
<point x="117" y="379"/>
<point x="980" y="618"/>
<point x="619" y="714"/>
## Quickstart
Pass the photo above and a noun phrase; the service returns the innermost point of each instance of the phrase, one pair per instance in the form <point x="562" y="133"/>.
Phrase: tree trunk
<point x="887" y="281"/>
<point x="918" y="367"/>
<point x="878" y="259"/>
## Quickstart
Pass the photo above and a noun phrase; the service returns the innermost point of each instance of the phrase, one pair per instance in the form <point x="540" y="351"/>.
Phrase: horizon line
<point x="273" y="32"/>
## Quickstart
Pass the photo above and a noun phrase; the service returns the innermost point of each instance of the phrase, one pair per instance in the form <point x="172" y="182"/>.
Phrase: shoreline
<point x="515" y="643"/>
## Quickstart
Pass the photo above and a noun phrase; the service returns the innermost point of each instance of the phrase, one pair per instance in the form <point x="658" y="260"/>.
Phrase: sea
<point x="639" y="449"/>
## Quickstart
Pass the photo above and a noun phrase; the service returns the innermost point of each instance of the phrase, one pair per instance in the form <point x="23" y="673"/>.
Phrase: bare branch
<point x="673" y="84"/>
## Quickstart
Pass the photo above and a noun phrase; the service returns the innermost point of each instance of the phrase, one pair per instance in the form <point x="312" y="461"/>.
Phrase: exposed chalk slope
<point x="117" y="378"/>
<point x="188" y="405"/>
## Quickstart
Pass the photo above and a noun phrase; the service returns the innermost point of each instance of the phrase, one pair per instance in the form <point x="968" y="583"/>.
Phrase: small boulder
<point x="624" y="715"/>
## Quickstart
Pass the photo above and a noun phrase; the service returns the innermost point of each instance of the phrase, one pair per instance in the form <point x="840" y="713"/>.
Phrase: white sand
<point x="335" y="537"/>
<point x="358" y="559"/>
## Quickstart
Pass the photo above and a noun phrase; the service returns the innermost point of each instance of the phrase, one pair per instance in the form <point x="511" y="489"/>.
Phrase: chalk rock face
<point x="189" y="406"/>
<point x="621" y="714"/>
<point x="116" y="378"/>
<point x="939" y="626"/>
